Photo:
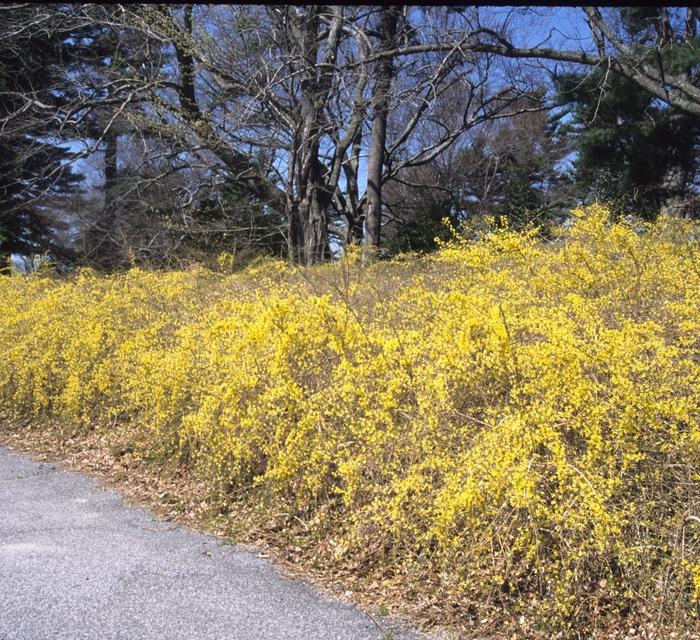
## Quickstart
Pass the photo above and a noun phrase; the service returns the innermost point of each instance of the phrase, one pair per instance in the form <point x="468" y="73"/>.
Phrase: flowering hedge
<point x="518" y="417"/>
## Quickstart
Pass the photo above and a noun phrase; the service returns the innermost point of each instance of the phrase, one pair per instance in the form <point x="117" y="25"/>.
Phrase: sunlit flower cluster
<point x="519" y="417"/>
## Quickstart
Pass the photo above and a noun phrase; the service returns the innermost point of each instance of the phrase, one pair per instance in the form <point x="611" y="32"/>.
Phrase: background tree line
<point x="163" y="133"/>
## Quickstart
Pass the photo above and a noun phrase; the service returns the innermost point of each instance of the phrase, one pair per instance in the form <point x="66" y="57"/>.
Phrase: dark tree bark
<point x="354" y="211"/>
<point x="310" y="212"/>
<point x="110" y="170"/>
<point x="381" y="100"/>
<point x="677" y="176"/>
<point x="105" y="249"/>
<point x="239" y="165"/>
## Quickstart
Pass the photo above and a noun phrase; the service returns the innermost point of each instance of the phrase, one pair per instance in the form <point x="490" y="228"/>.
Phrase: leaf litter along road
<point x="76" y="563"/>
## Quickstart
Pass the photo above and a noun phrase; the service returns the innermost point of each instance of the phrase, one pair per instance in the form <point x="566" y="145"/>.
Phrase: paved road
<point x="76" y="563"/>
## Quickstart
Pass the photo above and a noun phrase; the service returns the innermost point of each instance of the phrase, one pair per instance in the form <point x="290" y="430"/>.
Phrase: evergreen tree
<point x="33" y="168"/>
<point x="634" y="152"/>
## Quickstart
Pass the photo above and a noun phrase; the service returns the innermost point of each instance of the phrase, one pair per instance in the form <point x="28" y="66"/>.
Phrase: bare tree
<point x="381" y="101"/>
<point x="644" y="65"/>
<point x="291" y="105"/>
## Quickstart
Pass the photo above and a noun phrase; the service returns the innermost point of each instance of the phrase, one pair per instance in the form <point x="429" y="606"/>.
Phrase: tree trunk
<point x="110" y="169"/>
<point x="295" y="234"/>
<point x="314" y="196"/>
<point x="381" y="100"/>
<point x="355" y="233"/>
<point x="674" y="187"/>
<point x="674" y="183"/>
<point x="314" y="203"/>
<point x="239" y="164"/>
<point x="107" y="242"/>
<point x="315" y="225"/>
<point x="354" y="213"/>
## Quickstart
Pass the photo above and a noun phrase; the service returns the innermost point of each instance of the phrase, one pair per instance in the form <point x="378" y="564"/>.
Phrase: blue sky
<point x="554" y="26"/>
<point x="529" y="26"/>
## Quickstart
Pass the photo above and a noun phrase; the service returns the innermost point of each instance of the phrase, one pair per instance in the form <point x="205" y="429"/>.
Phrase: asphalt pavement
<point x="76" y="563"/>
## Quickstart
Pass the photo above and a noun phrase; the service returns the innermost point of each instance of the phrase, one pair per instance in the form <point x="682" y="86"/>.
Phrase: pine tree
<point x="634" y="152"/>
<point x="33" y="162"/>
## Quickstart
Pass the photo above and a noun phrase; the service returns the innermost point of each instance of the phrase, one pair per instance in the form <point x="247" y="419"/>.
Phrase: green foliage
<point x="421" y="225"/>
<point x="522" y="203"/>
<point x="32" y="161"/>
<point x="628" y="142"/>
<point x="232" y="223"/>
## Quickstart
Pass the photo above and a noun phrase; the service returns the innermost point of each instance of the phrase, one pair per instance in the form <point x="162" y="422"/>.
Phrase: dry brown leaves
<point x="177" y="497"/>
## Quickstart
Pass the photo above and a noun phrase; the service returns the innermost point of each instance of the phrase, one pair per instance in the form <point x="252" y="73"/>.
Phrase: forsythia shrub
<point x="518" y="417"/>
